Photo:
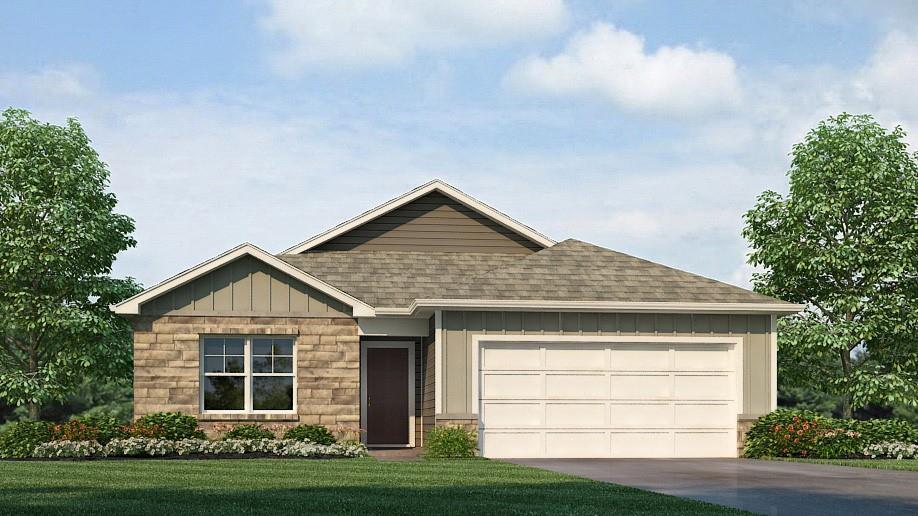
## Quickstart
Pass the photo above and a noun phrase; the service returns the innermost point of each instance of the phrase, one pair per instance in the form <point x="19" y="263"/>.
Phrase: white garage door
<point x="607" y="399"/>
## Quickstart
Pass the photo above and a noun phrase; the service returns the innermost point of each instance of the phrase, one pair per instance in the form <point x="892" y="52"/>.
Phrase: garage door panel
<point x="703" y="386"/>
<point x="648" y="415"/>
<point x="705" y="444"/>
<point x="642" y="444"/>
<point x="566" y="357"/>
<point x="607" y="399"/>
<point x="702" y="415"/>
<point x="580" y="386"/>
<point x="702" y="357"/>
<point x="507" y="357"/>
<point x="642" y="386"/>
<point x="511" y="385"/>
<point x="513" y="444"/>
<point x="576" y="444"/>
<point x="640" y="357"/>
<point x="575" y="415"/>
<point x="509" y="415"/>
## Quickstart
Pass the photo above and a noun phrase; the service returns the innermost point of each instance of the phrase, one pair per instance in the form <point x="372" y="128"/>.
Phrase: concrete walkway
<point x="766" y="487"/>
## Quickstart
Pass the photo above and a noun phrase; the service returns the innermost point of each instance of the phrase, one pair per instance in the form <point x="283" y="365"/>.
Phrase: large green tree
<point x="844" y="242"/>
<point x="59" y="235"/>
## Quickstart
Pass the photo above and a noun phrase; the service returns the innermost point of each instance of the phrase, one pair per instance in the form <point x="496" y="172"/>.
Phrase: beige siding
<point x="459" y="327"/>
<point x="434" y="222"/>
<point x="245" y="286"/>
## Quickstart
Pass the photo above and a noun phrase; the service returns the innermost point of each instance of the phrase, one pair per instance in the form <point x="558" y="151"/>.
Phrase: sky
<point x="648" y="127"/>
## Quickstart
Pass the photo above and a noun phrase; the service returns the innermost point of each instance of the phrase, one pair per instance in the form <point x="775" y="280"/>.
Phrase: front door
<point x="387" y="396"/>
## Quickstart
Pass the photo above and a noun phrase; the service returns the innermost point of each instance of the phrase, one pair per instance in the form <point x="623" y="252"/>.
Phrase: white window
<point x="247" y="374"/>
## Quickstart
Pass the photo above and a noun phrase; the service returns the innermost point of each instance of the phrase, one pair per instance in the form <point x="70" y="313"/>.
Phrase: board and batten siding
<point x="433" y="222"/>
<point x="460" y="327"/>
<point x="244" y="286"/>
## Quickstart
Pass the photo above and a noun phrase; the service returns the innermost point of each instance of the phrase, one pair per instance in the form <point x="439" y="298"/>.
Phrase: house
<point x="436" y="309"/>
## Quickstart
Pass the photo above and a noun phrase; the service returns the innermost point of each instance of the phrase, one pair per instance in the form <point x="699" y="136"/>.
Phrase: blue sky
<point x="646" y="127"/>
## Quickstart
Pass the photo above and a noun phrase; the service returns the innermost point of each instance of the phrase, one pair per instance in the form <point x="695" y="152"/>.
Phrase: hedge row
<point x="21" y="439"/>
<point x="798" y="433"/>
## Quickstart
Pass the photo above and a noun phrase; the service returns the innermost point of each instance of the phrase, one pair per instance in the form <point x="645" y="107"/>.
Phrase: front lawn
<point x="272" y="486"/>
<point x="902" y="465"/>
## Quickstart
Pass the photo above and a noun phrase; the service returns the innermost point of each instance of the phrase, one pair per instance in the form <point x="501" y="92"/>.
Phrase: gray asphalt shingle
<point x="568" y="271"/>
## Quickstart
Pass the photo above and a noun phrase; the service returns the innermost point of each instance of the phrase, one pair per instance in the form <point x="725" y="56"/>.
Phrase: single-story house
<point x="437" y="309"/>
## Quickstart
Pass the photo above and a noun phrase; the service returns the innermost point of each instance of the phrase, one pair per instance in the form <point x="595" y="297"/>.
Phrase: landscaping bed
<point x="169" y="435"/>
<point x="806" y="435"/>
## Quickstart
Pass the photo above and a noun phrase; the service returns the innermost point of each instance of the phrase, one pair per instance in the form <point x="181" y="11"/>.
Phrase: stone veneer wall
<point x="743" y="425"/>
<point x="167" y="370"/>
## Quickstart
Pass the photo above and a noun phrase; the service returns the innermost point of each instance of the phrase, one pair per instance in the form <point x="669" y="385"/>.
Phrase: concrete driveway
<point x="767" y="487"/>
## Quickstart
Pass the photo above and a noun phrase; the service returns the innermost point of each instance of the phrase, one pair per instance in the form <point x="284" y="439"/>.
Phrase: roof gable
<point x="419" y="219"/>
<point x="132" y="306"/>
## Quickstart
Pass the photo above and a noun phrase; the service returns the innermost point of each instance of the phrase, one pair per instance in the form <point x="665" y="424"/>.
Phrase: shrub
<point x="318" y="434"/>
<point x="141" y="429"/>
<point x="249" y="432"/>
<point x="142" y="447"/>
<point x="68" y="449"/>
<point x="892" y="450"/>
<point x="876" y="431"/>
<point x="20" y="439"/>
<point x="107" y="427"/>
<point x="74" y="430"/>
<point x="451" y="442"/>
<point x="173" y="425"/>
<point x="797" y="433"/>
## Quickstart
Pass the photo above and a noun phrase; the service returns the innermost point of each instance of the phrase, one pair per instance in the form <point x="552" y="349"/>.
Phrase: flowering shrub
<point x="791" y="433"/>
<point x="142" y="429"/>
<point x="67" y="449"/>
<point x="173" y="425"/>
<point x="74" y="430"/>
<point x="142" y="447"/>
<point x="892" y="450"/>
<point x="138" y="447"/>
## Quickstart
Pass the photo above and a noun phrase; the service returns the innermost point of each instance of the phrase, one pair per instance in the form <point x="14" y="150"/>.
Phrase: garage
<point x="601" y="397"/>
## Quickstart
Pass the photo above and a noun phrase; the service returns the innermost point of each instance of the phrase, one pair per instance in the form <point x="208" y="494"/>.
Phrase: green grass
<point x="356" y="486"/>
<point x="901" y="465"/>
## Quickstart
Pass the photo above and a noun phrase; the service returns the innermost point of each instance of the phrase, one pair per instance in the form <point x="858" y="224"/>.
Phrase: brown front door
<point x="387" y="396"/>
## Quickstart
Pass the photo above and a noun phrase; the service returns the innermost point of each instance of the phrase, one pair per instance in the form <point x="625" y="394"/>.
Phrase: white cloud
<point x="889" y="78"/>
<point x="614" y="65"/>
<point x="64" y="82"/>
<point x="361" y="33"/>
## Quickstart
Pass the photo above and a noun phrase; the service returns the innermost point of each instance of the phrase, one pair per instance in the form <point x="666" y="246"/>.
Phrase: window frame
<point x="247" y="374"/>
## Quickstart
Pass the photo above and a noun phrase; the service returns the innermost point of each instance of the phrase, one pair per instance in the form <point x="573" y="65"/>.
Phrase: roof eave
<point x="592" y="306"/>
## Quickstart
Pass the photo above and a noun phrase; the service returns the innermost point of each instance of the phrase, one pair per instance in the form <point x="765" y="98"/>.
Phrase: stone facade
<point x="167" y="367"/>
<point x="743" y="424"/>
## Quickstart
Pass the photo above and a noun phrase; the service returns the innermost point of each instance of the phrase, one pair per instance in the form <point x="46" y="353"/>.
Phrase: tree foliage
<point x="844" y="241"/>
<point x="58" y="238"/>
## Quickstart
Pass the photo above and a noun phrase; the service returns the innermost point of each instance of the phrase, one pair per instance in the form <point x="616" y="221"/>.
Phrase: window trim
<point x="247" y="373"/>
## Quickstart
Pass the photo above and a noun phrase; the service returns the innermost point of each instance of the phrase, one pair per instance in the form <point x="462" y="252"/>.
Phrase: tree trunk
<point x="847" y="412"/>
<point x="34" y="408"/>
<point x="34" y="411"/>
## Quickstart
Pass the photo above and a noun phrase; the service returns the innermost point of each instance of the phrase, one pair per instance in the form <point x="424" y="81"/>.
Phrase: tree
<point x="844" y="242"/>
<point x="58" y="238"/>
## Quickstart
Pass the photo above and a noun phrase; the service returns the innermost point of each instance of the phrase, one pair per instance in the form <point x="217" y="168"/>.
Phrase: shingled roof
<point x="396" y="278"/>
<point x="568" y="271"/>
<point x="577" y="271"/>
